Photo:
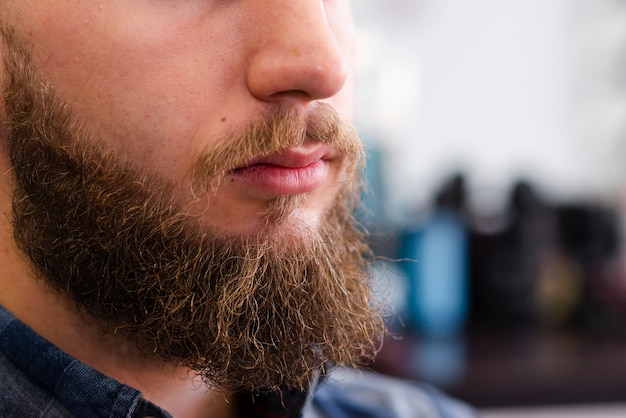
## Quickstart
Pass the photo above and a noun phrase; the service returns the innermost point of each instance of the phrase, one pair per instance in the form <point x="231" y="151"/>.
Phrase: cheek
<point x="146" y="91"/>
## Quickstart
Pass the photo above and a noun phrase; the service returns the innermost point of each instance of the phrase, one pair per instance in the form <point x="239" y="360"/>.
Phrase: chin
<point x="280" y="217"/>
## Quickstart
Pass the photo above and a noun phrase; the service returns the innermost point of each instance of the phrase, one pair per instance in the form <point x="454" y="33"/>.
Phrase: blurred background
<point x="496" y="133"/>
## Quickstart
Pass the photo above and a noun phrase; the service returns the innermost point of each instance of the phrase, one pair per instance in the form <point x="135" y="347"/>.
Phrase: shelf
<point x="497" y="370"/>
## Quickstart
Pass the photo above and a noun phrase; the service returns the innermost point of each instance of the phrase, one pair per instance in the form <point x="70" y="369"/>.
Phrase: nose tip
<point x="315" y="77"/>
<point x="299" y="55"/>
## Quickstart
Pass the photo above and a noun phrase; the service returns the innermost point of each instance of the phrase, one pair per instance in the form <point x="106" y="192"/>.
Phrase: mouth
<point x="291" y="171"/>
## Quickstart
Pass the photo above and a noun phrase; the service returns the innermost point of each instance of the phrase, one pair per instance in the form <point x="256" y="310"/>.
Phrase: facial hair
<point x="254" y="311"/>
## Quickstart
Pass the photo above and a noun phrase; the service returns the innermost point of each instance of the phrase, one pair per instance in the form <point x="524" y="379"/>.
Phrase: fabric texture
<point x="38" y="380"/>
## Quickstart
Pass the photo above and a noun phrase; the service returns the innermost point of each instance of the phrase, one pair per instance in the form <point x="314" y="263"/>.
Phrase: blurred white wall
<point x="499" y="89"/>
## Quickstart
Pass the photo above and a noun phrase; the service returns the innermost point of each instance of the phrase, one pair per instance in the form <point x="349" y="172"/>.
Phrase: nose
<point x="297" y="53"/>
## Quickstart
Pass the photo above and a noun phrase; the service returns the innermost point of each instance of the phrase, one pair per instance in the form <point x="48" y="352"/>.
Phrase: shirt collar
<point x="86" y="392"/>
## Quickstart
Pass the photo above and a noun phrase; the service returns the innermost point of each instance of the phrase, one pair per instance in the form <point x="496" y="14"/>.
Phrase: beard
<point x="249" y="311"/>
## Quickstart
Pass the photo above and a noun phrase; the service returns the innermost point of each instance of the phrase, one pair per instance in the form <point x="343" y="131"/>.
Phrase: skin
<point x="162" y="79"/>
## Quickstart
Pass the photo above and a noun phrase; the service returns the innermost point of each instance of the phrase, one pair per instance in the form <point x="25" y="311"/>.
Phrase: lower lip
<point x="279" y="180"/>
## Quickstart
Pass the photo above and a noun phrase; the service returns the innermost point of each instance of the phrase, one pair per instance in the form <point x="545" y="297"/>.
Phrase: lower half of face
<point x="252" y="272"/>
<point x="281" y="172"/>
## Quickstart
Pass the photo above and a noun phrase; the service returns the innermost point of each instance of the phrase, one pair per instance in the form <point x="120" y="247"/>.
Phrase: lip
<point x="290" y="171"/>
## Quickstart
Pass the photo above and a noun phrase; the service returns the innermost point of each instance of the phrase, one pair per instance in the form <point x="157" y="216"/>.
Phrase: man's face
<point x="160" y="81"/>
<point x="181" y="172"/>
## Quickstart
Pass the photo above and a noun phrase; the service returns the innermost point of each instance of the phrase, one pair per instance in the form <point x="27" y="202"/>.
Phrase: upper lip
<point x="294" y="157"/>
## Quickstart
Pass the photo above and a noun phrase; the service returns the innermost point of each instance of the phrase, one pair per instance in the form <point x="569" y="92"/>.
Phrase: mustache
<point x="274" y="131"/>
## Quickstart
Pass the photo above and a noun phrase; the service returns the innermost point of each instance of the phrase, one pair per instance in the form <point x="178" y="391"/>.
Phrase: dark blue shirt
<point x="37" y="379"/>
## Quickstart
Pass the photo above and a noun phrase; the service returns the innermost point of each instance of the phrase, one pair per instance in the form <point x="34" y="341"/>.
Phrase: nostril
<point x="291" y="93"/>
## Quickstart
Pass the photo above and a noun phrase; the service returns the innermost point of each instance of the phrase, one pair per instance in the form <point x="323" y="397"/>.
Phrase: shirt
<point x="37" y="379"/>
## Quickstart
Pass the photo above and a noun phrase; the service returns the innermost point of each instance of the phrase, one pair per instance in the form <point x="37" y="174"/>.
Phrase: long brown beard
<point x="254" y="311"/>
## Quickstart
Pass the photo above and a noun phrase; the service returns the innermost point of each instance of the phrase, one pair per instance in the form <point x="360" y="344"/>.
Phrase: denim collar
<point x="85" y="392"/>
